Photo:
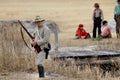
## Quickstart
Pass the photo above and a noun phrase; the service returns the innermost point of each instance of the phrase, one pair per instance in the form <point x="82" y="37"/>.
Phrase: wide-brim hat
<point x="38" y="18"/>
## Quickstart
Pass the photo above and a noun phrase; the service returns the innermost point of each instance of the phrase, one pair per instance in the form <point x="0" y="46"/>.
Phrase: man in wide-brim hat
<point x="42" y="37"/>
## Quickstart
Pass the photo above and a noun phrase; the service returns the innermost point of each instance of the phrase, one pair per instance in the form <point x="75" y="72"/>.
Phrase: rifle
<point x="37" y="47"/>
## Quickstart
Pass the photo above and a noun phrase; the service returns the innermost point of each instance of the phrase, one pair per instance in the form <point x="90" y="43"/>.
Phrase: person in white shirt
<point x="97" y="19"/>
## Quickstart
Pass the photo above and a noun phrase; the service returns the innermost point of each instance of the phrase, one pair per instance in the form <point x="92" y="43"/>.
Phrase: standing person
<point x="42" y="36"/>
<point x="81" y="33"/>
<point x="105" y="30"/>
<point x="117" y="18"/>
<point x="97" y="19"/>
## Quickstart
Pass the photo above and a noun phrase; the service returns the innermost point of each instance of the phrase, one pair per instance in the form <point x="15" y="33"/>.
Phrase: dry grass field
<point x="67" y="14"/>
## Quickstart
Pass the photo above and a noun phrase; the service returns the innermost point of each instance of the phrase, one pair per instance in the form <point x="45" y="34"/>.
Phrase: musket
<point x="37" y="47"/>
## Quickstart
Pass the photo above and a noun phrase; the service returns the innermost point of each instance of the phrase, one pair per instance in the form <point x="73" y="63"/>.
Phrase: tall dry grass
<point x="15" y="56"/>
<point x="84" y="72"/>
<point x="13" y="53"/>
<point x="109" y="44"/>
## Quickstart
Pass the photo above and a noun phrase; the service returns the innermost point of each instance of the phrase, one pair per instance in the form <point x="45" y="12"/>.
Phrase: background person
<point x="97" y="19"/>
<point x="81" y="33"/>
<point x="117" y="18"/>
<point x="105" y="30"/>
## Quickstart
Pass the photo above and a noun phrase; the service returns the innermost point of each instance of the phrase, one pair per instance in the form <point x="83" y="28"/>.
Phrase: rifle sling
<point x="23" y="38"/>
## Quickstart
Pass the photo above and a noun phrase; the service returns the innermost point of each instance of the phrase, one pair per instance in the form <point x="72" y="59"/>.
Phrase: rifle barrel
<point x="25" y="29"/>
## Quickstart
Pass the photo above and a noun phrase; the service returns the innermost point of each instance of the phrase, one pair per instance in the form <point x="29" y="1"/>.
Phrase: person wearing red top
<point x="81" y="33"/>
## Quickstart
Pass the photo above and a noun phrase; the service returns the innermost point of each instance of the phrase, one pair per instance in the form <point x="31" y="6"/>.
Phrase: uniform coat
<point x="42" y="37"/>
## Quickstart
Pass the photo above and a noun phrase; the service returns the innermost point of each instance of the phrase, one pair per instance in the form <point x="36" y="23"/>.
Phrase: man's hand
<point x="34" y="42"/>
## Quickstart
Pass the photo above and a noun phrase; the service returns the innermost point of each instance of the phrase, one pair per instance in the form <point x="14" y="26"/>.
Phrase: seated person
<point x="81" y="33"/>
<point x="105" y="30"/>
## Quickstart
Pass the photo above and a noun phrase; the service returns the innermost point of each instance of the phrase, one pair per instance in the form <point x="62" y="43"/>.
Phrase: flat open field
<point x="66" y="13"/>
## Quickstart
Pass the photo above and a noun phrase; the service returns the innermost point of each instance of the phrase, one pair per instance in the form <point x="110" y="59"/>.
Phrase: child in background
<point x="81" y="33"/>
<point x="105" y="30"/>
<point x="97" y="19"/>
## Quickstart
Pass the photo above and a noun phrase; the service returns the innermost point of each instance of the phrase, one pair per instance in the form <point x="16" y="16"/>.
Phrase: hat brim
<point x="39" y="20"/>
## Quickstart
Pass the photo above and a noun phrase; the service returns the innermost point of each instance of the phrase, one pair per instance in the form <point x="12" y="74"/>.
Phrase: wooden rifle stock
<point x="37" y="47"/>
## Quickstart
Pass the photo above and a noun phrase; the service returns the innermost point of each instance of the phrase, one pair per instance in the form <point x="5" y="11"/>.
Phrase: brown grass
<point x="14" y="54"/>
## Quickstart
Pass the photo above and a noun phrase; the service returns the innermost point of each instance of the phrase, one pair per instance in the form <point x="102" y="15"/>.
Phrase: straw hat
<point x="38" y="18"/>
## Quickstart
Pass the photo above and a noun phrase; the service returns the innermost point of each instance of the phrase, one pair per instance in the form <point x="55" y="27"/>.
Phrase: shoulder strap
<point x="94" y="12"/>
<point x="24" y="39"/>
<point x="100" y="12"/>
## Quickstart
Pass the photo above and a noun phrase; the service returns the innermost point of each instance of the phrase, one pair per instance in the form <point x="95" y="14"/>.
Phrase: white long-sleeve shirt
<point x="98" y="13"/>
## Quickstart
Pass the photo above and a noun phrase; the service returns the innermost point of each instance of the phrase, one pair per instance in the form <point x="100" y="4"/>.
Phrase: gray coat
<point x="42" y="37"/>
